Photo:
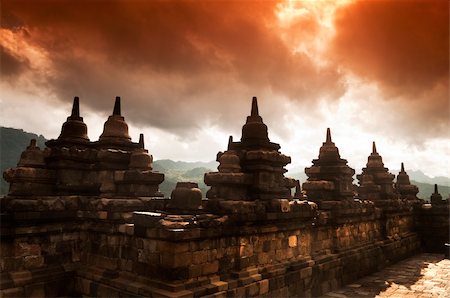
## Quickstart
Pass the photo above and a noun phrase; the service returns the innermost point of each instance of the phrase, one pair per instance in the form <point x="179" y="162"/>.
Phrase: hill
<point x="426" y="189"/>
<point x="188" y="171"/>
<point x="168" y="164"/>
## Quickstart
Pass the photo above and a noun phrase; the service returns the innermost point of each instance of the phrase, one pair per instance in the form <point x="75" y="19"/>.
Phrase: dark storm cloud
<point x="403" y="46"/>
<point x="178" y="64"/>
<point x="11" y="66"/>
<point x="170" y="58"/>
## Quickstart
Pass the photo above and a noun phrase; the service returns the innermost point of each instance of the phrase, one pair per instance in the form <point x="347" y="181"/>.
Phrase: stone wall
<point x="292" y="259"/>
<point x="40" y="246"/>
<point x="432" y="223"/>
<point x="100" y="247"/>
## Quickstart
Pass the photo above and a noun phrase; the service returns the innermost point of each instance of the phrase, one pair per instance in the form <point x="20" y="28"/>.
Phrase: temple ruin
<point x="86" y="218"/>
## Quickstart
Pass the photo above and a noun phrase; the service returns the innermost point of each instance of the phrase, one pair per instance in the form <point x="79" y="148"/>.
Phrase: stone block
<point x="221" y="285"/>
<point x="12" y="293"/>
<point x="252" y="289"/>
<point x="195" y="270"/>
<point x="35" y="290"/>
<point x="20" y="278"/>
<point x="174" y="260"/>
<point x="186" y="196"/>
<point x="199" y="257"/>
<point x="305" y="272"/>
<point x="210" y="268"/>
<point x="146" y="219"/>
<point x="30" y="262"/>
<point x="263" y="286"/>
<point x="293" y="241"/>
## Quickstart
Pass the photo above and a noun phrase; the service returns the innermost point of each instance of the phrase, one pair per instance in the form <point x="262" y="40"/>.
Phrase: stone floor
<point x="424" y="275"/>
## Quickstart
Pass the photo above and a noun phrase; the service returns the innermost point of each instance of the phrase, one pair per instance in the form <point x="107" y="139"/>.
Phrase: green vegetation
<point x="176" y="171"/>
<point x="187" y="171"/>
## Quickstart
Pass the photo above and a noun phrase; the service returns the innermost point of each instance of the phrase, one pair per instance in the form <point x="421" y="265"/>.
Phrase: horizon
<point x="291" y="169"/>
<point x="187" y="83"/>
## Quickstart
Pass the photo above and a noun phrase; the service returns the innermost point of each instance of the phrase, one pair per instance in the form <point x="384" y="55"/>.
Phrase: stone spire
<point x="329" y="151"/>
<point x="254" y="131"/>
<point x="32" y="157"/>
<point x="230" y="141"/>
<point x="402" y="177"/>
<point x="329" y="178"/>
<point x="141" y="140"/>
<point x="404" y="186"/>
<point x="436" y="197"/>
<point x="375" y="160"/>
<point x="75" y="108"/>
<point x="251" y="169"/>
<point x="115" y="128"/>
<point x="74" y="130"/>
<point x="116" y="110"/>
<point x="31" y="177"/>
<point x="32" y="145"/>
<point x="254" y="112"/>
<point x="375" y="173"/>
<point x="140" y="159"/>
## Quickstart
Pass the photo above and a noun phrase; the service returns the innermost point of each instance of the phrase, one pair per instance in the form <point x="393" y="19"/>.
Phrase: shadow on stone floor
<point x="423" y="274"/>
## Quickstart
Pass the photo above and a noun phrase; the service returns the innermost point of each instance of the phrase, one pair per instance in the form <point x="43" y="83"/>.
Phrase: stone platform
<point x="424" y="275"/>
<point x="86" y="219"/>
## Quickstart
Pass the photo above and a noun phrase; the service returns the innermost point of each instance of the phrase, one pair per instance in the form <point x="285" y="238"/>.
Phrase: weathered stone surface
<point x="186" y="196"/>
<point x="436" y="198"/>
<point x="329" y="178"/>
<point x="252" y="168"/>
<point x="100" y="229"/>
<point x="376" y="183"/>
<point x="404" y="187"/>
<point x="115" y="128"/>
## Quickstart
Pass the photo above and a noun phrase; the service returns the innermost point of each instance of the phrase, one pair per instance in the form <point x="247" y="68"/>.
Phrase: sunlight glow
<point x="307" y="26"/>
<point x="323" y="10"/>
<point x="18" y="46"/>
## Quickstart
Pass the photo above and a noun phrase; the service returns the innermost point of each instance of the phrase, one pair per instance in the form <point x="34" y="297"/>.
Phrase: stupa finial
<point x="230" y="140"/>
<point x="254" y="111"/>
<point x="141" y="140"/>
<point x="76" y="107"/>
<point x="328" y="136"/>
<point x="403" y="168"/>
<point x="116" y="110"/>
<point x="374" y="148"/>
<point x="436" y="189"/>
<point x="32" y="144"/>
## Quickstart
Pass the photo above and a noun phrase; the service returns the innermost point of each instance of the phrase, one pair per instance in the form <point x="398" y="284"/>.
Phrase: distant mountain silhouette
<point x="14" y="141"/>
<point x="169" y="164"/>
<point x="421" y="177"/>
<point x="176" y="171"/>
<point x="426" y="189"/>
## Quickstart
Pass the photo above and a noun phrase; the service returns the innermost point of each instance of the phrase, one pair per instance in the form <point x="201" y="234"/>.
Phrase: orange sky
<point x="186" y="70"/>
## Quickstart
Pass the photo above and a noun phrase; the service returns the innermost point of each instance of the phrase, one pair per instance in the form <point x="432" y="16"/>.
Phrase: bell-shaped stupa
<point x="329" y="178"/>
